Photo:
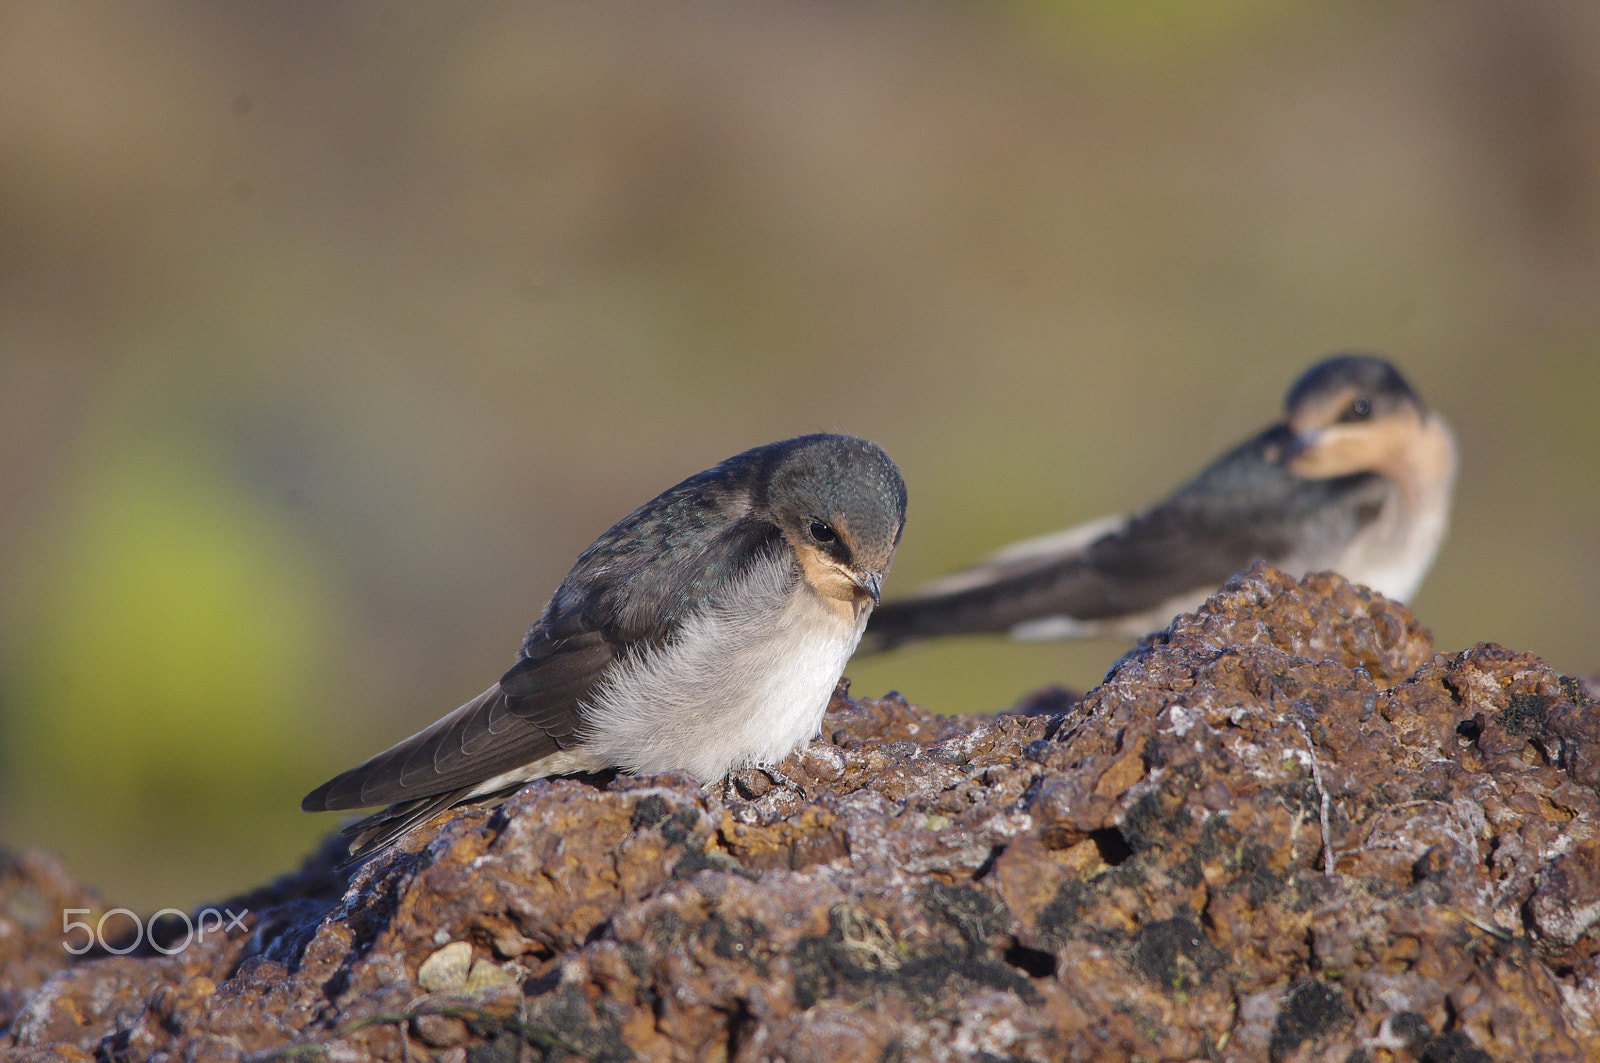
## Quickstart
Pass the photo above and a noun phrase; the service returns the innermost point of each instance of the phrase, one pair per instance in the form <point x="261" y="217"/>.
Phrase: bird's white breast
<point x="744" y="682"/>
<point x="1394" y="552"/>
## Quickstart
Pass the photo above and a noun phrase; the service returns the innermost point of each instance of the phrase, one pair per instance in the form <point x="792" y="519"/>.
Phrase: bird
<point x="703" y="632"/>
<point x="1356" y="478"/>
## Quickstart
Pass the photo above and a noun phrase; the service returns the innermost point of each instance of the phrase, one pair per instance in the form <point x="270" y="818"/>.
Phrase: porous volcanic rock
<point x="1282" y="829"/>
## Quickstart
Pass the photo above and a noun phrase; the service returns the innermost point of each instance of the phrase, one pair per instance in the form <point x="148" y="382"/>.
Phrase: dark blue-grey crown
<point x="837" y="473"/>
<point x="1370" y="375"/>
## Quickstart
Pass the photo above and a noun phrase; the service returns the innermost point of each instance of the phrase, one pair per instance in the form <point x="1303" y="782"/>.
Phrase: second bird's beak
<point x="1301" y="442"/>
<point x="871" y="582"/>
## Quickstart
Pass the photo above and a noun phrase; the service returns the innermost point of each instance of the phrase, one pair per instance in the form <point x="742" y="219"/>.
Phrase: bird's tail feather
<point x="381" y="830"/>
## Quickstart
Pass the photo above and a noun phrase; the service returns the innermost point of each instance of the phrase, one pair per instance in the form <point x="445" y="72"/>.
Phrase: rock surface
<point x="1281" y="830"/>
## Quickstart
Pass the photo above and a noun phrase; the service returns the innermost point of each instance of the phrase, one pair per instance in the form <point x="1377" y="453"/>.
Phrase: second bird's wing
<point x="1142" y="563"/>
<point x="1245" y="507"/>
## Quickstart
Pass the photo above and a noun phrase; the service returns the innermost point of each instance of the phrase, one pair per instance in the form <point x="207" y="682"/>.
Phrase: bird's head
<point x="1351" y="413"/>
<point x="841" y="504"/>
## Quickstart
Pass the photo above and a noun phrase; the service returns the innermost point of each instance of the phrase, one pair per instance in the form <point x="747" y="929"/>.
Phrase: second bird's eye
<point x="823" y="533"/>
<point x="1359" y="410"/>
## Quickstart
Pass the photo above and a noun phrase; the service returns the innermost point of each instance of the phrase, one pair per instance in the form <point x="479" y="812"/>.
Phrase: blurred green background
<point x="330" y="333"/>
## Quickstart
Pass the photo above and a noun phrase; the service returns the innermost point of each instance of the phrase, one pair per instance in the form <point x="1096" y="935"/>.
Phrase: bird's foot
<point x="752" y="784"/>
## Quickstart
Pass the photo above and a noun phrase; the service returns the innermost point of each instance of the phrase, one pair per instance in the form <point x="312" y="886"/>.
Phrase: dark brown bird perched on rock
<point x="704" y="632"/>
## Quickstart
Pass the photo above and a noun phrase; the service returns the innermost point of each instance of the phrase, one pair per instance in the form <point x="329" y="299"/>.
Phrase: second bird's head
<point x="1351" y="413"/>
<point x="840" y="502"/>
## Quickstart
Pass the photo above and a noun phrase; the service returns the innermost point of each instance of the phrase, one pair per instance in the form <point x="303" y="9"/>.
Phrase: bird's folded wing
<point x="1239" y="511"/>
<point x="1134" y="567"/>
<point x="531" y="713"/>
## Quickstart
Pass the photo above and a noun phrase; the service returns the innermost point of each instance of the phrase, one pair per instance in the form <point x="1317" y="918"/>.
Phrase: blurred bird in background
<point x="703" y="632"/>
<point x="1356" y="478"/>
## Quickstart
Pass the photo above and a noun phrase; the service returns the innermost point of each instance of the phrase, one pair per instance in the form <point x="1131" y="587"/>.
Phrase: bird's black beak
<point x="871" y="582"/>
<point x="1299" y="443"/>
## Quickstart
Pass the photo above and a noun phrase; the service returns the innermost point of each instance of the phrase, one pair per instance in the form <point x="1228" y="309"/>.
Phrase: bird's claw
<point x="748" y="784"/>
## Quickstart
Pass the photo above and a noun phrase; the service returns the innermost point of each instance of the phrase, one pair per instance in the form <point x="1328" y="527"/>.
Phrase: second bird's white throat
<point x="1393" y="554"/>
<point x="744" y="682"/>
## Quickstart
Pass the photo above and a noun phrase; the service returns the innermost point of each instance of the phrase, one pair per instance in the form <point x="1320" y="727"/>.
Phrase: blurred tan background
<point x="330" y="333"/>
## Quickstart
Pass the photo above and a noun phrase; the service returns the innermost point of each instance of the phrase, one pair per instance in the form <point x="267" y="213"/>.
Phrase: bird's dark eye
<point x="1359" y="410"/>
<point x="823" y="533"/>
